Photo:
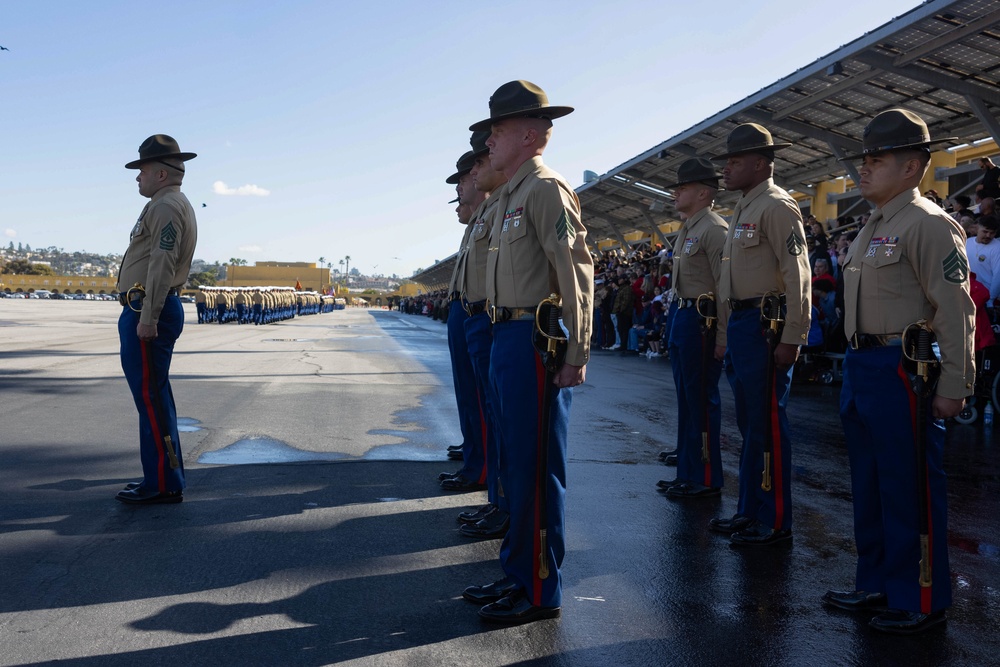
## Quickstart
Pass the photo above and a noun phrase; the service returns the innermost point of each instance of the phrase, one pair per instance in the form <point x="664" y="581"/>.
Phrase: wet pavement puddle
<point x="264" y="450"/>
<point x="188" y="425"/>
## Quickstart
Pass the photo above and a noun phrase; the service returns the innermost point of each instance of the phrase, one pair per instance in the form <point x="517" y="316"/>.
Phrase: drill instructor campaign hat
<point x="895" y="129"/>
<point x="696" y="170"/>
<point x="749" y="138"/>
<point x="159" y="147"/>
<point x="518" y="99"/>
<point x="462" y="167"/>
<point x="478" y="141"/>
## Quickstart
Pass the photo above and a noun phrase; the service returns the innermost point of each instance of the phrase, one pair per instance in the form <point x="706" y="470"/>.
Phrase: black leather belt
<point x="474" y="309"/>
<point x="686" y="303"/>
<point x="453" y="296"/>
<point x="746" y="304"/>
<point x="860" y="341"/>
<point x="507" y="314"/>
<point x="121" y="296"/>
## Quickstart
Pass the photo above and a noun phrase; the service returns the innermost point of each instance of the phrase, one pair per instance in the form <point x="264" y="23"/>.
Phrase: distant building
<point x="278" y="274"/>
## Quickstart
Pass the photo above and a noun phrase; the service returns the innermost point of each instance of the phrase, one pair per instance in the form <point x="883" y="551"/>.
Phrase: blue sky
<point x="339" y="121"/>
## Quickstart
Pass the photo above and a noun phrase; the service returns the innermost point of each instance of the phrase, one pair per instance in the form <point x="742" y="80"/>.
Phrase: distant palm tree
<point x="347" y="258"/>
<point x="321" y="260"/>
<point x="341" y="266"/>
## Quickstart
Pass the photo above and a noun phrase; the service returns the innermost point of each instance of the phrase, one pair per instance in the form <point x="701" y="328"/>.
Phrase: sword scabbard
<point x="765" y="483"/>
<point x="543" y="559"/>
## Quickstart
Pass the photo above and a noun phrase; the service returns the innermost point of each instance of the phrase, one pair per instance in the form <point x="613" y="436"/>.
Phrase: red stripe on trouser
<point x="777" y="478"/>
<point x="536" y="581"/>
<point x="706" y="427"/>
<point x="484" y="431"/>
<point x="147" y="399"/>
<point x="925" y="592"/>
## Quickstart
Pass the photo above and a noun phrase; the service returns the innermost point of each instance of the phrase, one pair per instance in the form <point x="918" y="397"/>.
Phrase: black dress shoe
<point x="670" y="460"/>
<point x="455" y="456"/>
<point x="490" y="592"/>
<point x="448" y="475"/>
<point x="476" y="514"/>
<point x="665" y="484"/>
<point x="855" y="600"/>
<point x="688" y="490"/>
<point x="132" y="485"/>
<point x="454" y="448"/>
<point x="664" y="454"/>
<point x="494" y="524"/>
<point x="729" y="526"/>
<point x="759" y="535"/>
<point x="461" y="483"/>
<point x="898" y="622"/>
<point x="515" y="608"/>
<point x="140" y="496"/>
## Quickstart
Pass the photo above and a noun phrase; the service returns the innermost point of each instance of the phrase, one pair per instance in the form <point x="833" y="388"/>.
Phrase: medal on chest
<point x="745" y="229"/>
<point x="886" y="243"/>
<point x="512" y="219"/>
<point x="688" y="242"/>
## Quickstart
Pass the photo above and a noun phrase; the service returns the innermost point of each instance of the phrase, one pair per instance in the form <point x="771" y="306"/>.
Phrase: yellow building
<point x="58" y="284"/>
<point x="278" y="274"/>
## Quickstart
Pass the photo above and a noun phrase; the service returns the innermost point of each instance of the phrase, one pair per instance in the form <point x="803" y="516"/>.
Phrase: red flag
<point x="298" y="285"/>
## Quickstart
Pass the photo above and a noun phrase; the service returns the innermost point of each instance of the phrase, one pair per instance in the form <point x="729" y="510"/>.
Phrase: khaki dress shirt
<point x="698" y="260"/>
<point x="909" y="264"/>
<point x="538" y="247"/>
<point x="766" y="251"/>
<point x="160" y="250"/>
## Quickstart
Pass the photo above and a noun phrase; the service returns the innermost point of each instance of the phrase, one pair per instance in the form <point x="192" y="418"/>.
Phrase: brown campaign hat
<point x="159" y="147"/>
<point x="462" y="167"/>
<point x="749" y="138"/>
<point x="895" y="129"/>
<point x="696" y="170"/>
<point x="518" y="99"/>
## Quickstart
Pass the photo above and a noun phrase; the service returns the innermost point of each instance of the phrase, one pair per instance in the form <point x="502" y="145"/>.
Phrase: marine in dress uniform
<point x="907" y="264"/>
<point x="153" y="270"/>
<point x="492" y="519"/>
<point x="537" y="248"/>
<point x="764" y="254"/>
<point x="697" y="267"/>
<point x="472" y="475"/>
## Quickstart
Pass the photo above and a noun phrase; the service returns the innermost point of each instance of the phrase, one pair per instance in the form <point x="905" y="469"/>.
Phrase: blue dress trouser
<point x="746" y="369"/>
<point x="687" y="348"/>
<point x="479" y="336"/>
<point x="471" y="420"/>
<point x="147" y="370"/>
<point x="878" y="410"/>
<point x="518" y="377"/>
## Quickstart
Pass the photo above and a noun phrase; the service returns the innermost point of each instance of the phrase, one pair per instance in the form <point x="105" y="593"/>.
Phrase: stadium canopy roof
<point x="940" y="60"/>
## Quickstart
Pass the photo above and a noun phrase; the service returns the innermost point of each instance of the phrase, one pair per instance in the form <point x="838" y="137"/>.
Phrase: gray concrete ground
<point x="313" y="531"/>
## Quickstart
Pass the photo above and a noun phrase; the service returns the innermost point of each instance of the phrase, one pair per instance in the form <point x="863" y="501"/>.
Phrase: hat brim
<point x="754" y="149"/>
<point x="456" y="177"/>
<point x="550" y="113"/>
<point x="704" y="181"/>
<point x="183" y="157"/>
<point x="883" y="149"/>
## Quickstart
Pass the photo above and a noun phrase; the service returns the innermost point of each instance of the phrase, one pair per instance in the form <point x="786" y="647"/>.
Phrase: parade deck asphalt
<point x="313" y="530"/>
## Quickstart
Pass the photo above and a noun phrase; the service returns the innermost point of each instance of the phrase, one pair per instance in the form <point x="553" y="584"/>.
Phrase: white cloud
<point x="221" y="188"/>
<point x="10" y="233"/>
<point x="250" y="248"/>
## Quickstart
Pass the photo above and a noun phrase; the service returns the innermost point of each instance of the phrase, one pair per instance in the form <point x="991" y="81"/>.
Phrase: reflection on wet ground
<point x="263" y="450"/>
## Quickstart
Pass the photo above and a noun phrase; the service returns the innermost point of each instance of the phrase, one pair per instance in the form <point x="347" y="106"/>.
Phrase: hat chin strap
<point x="176" y="168"/>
